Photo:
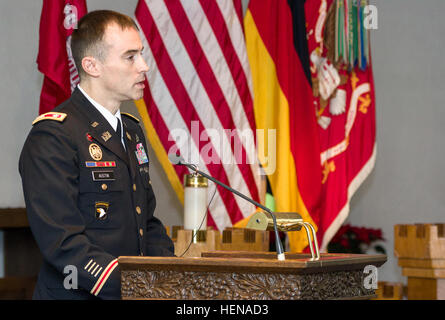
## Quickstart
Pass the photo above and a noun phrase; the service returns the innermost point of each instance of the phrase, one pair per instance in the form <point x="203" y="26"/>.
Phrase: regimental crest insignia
<point x="95" y="152"/>
<point x="106" y="136"/>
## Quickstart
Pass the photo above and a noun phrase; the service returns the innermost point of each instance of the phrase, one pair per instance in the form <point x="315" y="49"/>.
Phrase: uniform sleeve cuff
<point x="104" y="277"/>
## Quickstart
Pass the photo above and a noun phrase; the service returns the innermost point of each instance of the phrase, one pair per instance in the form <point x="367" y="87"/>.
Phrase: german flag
<point x="283" y="101"/>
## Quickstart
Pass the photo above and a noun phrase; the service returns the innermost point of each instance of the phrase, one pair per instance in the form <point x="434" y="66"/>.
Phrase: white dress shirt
<point x="111" y="118"/>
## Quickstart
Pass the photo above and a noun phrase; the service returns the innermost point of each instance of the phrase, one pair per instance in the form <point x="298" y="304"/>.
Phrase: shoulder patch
<point x="57" y="116"/>
<point x="130" y="116"/>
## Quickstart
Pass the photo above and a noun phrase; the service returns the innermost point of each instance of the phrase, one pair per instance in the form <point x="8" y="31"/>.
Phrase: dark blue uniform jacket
<point x="88" y="201"/>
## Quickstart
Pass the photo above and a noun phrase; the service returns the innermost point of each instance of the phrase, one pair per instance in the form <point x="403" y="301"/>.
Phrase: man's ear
<point x="91" y="66"/>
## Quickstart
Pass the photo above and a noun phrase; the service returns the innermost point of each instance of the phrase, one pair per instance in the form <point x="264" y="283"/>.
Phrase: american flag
<point x="199" y="100"/>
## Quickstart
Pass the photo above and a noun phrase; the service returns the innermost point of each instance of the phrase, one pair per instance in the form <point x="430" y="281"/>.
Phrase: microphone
<point x="178" y="160"/>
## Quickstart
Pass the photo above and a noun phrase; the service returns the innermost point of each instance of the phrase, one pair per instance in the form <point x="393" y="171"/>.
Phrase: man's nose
<point x="143" y="67"/>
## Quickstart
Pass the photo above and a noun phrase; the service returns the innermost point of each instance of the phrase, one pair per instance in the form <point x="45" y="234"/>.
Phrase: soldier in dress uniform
<point x="85" y="170"/>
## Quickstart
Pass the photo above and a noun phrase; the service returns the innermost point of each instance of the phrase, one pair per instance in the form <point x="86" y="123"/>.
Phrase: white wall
<point x="408" y="182"/>
<point x="19" y="92"/>
<point x="19" y="89"/>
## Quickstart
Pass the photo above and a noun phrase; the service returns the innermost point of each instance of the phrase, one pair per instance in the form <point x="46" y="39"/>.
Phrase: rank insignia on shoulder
<point x="57" y="116"/>
<point x="130" y="116"/>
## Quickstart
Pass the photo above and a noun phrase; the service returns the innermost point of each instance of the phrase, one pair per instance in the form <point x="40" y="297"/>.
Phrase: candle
<point x="195" y="202"/>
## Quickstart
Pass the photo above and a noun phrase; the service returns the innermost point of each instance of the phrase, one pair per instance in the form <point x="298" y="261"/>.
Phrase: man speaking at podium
<point x="84" y="169"/>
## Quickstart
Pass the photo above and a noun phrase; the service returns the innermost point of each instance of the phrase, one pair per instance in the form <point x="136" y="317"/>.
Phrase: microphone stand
<point x="280" y="251"/>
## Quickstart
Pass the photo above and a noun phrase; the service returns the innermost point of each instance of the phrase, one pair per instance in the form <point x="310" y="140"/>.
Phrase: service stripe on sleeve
<point x="104" y="277"/>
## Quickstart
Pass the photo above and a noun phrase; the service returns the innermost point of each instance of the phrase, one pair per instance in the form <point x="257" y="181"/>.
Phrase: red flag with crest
<point x="343" y="85"/>
<point x="54" y="60"/>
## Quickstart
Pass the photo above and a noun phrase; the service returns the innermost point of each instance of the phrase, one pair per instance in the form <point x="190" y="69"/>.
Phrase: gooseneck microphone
<point x="178" y="160"/>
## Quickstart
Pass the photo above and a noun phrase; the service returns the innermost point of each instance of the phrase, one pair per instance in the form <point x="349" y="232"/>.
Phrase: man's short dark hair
<point x="87" y="39"/>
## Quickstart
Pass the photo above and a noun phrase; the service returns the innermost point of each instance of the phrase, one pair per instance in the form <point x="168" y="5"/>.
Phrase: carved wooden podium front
<point x="248" y="275"/>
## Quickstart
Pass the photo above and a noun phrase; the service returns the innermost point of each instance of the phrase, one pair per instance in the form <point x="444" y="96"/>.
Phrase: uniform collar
<point x="99" y="127"/>
<point x="111" y="118"/>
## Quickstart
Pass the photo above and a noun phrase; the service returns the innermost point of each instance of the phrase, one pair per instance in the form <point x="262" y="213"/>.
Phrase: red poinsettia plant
<point x="350" y="239"/>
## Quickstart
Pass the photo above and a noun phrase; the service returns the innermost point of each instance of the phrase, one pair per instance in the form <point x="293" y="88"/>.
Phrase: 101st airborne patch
<point x="101" y="210"/>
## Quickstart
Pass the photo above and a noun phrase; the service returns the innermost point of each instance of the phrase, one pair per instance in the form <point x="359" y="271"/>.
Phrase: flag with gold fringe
<point x="325" y="120"/>
<point x="343" y="88"/>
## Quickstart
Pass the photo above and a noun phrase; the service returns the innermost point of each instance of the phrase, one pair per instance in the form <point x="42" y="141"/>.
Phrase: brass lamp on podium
<point x="285" y="221"/>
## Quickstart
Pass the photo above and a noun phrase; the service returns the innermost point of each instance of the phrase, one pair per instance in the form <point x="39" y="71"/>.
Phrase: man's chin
<point x="139" y="94"/>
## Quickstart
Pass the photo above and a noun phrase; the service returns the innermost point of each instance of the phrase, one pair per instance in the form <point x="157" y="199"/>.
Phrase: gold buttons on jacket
<point x="104" y="186"/>
<point x="141" y="232"/>
<point x="149" y="181"/>
<point x="134" y="187"/>
<point x="138" y="210"/>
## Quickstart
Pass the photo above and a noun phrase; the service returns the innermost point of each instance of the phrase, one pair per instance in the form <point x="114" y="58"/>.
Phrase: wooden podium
<point x="240" y="275"/>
